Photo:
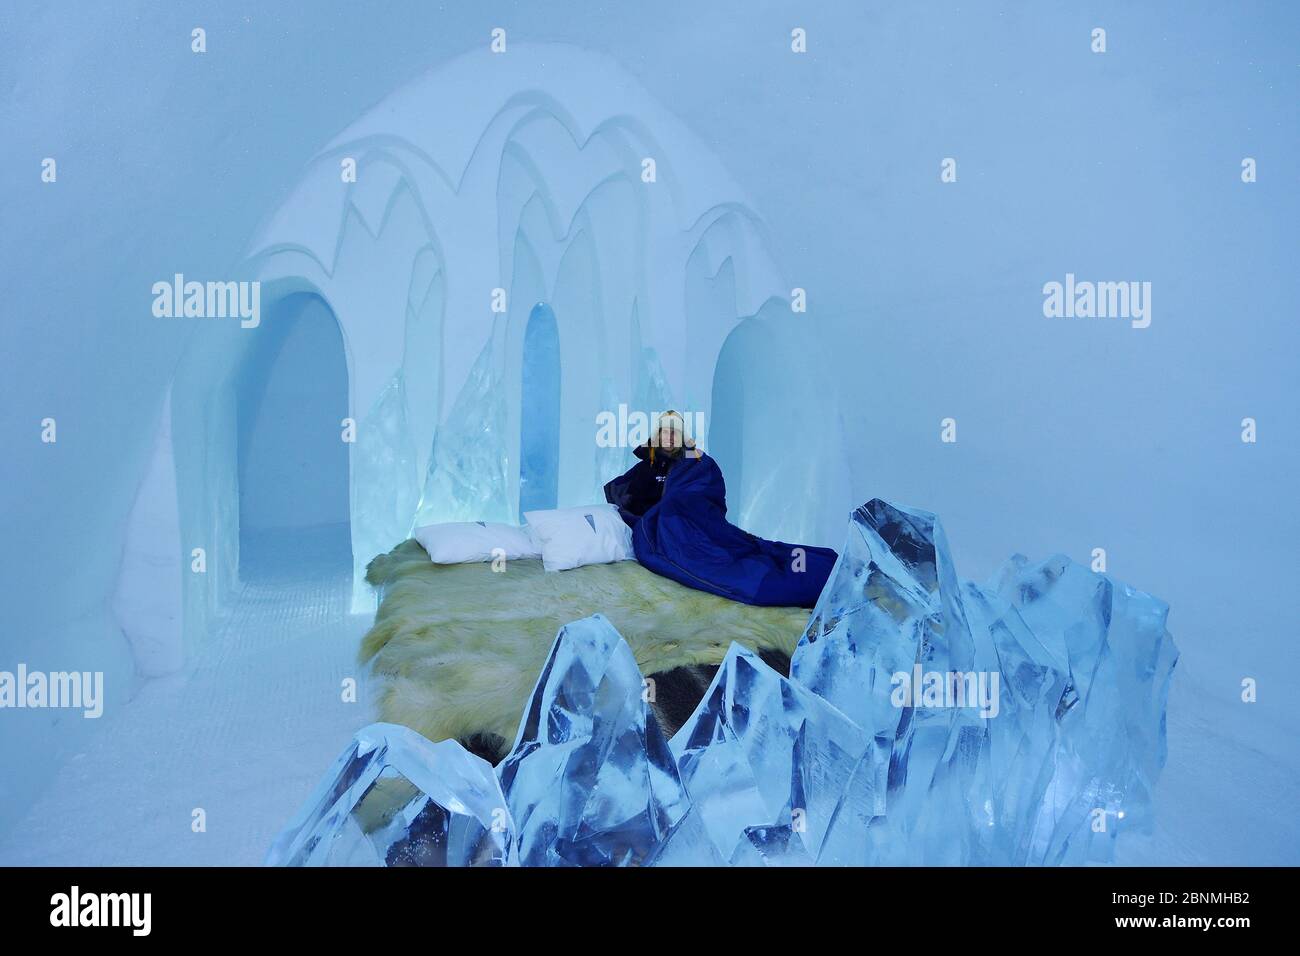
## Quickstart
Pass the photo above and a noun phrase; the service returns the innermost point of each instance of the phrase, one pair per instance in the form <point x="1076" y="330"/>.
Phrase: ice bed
<point x="456" y="648"/>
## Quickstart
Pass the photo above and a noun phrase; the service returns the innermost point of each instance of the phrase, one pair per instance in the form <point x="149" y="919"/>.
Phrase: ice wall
<point x="924" y="297"/>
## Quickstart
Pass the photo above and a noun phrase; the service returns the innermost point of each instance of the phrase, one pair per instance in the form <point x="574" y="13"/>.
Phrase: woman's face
<point x="669" y="439"/>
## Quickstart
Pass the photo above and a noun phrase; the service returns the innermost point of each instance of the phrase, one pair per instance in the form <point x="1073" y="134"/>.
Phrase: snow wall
<point x="775" y="171"/>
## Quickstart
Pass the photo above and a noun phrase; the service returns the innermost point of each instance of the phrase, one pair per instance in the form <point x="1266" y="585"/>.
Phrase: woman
<point x="675" y="501"/>
<point x="639" y="489"/>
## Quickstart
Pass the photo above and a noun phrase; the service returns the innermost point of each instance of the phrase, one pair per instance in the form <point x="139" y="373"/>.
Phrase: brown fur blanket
<point x="457" y="648"/>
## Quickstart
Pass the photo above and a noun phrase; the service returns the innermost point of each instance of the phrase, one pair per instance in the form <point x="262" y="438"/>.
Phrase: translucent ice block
<point x="1025" y="720"/>
<point x="394" y="799"/>
<point x="590" y="779"/>
<point x="769" y="767"/>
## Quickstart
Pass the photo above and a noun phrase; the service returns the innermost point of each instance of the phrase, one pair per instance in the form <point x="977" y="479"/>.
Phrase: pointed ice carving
<point x="1111" y="744"/>
<point x="892" y="601"/>
<point x="384" y="485"/>
<point x="652" y="384"/>
<point x="1018" y="761"/>
<point x="395" y="799"/>
<point x="468" y="463"/>
<point x="893" y="607"/>
<point x="611" y="457"/>
<point x="769" y="767"/>
<point x="689" y="845"/>
<point x="1017" y="715"/>
<point x="590" y="780"/>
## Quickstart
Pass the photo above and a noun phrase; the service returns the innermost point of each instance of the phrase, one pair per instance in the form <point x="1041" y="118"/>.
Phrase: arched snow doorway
<point x="735" y="421"/>
<point x="292" y="395"/>
<point x="539" y="423"/>
<point x="775" y="430"/>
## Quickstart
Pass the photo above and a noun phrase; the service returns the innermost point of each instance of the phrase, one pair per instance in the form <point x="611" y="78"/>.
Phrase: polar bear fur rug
<point x="456" y="649"/>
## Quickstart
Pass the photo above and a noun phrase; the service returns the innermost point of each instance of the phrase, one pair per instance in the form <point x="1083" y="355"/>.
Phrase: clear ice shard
<point x="466" y="478"/>
<point x="774" y="773"/>
<point x="590" y="780"/>
<point x="1025" y="720"/>
<point x="1111" y="742"/>
<point x="385" y="489"/>
<point x="393" y="798"/>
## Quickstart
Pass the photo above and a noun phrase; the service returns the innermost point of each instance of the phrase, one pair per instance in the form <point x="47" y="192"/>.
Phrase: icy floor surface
<point x="249" y="732"/>
<point x="245" y="736"/>
<point x="1228" y="792"/>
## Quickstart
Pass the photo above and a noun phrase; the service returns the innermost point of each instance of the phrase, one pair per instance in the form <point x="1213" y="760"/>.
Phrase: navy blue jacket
<point x="639" y="489"/>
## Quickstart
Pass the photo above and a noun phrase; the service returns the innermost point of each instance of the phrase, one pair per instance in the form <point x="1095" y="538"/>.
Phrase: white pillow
<point x="464" y="542"/>
<point x="572" y="537"/>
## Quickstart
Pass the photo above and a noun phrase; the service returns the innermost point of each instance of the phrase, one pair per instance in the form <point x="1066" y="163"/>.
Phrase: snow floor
<point x="249" y="731"/>
<point x="1228" y="792"/>
<point x="245" y="735"/>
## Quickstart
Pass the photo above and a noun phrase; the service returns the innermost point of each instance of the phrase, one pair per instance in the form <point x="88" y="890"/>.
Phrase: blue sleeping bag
<point x="686" y="536"/>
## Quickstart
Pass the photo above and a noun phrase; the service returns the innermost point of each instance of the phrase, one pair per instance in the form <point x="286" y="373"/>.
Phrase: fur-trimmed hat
<point x="674" y="422"/>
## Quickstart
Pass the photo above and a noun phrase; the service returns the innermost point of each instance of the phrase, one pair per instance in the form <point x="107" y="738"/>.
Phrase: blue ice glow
<point x="539" y="427"/>
<point x="293" y="469"/>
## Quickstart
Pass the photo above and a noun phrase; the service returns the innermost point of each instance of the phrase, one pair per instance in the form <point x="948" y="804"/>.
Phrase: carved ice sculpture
<point x="925" y="721"/>
<point x="590" y="779"/>
<point x="772" y="769"/>
<point x="1027" y="719"/>
<point x="395" y="799"/>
